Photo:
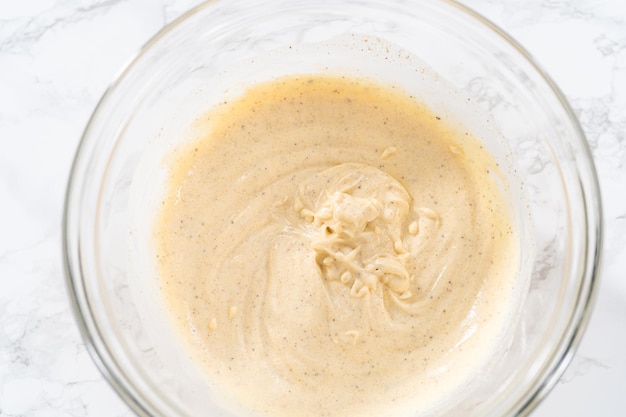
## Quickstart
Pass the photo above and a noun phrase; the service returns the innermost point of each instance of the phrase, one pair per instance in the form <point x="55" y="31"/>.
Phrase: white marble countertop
<point x="56" y="59"/>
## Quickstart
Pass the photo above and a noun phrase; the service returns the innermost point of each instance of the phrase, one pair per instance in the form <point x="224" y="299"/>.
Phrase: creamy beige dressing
<point x="330" y="247"/>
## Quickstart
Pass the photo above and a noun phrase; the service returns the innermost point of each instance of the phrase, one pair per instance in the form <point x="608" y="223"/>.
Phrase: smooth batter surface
<point x="329" y="247"/>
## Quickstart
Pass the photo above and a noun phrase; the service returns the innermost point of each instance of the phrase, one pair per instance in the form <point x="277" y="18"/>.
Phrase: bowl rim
<point x="556" y="363"/>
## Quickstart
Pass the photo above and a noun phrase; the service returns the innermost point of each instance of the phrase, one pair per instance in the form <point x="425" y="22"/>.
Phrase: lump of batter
<point x="330" y="247"/>
<point x="365" y="232"/>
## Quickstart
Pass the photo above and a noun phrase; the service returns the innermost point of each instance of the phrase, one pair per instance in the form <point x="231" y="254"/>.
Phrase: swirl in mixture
<point x="329" y="247"/>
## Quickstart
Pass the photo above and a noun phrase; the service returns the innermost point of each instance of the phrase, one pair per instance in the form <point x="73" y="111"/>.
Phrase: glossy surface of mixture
<point x="330" y="247"/>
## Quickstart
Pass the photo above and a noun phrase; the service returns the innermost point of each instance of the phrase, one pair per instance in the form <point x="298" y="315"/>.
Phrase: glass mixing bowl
<point x="468" y="68"/>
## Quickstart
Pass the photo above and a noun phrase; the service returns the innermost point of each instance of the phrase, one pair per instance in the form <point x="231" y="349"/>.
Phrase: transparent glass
<point x="181" y="72"/>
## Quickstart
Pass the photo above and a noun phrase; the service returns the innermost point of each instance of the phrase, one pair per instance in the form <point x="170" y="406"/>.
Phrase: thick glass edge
<point x="75" y="287"/>
<point x="87" y="326"/>
<point x="590" y="188"/>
